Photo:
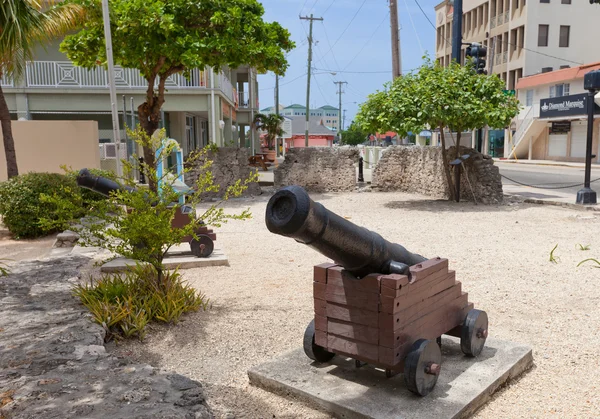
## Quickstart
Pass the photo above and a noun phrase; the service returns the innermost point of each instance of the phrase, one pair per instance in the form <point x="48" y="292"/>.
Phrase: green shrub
<point x="123" y="304"/>
<point x="24" y="202"/>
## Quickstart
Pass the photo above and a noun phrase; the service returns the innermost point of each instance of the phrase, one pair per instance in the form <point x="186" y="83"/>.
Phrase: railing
<point x="493" y="22"/>
<point x="523" y="124"/>
<point x="226" y="86"/>
<point x="507" y="16"/>
<point x="6" y="81"/>
<point x="244" y="99"/>
<point x="499" y="58"/>
<point x="65" y="74"/>
<point x="505" y="57"/>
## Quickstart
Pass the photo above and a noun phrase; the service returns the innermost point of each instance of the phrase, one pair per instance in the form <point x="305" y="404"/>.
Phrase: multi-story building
<point x="523" y="38"/>
<point x="329" y="114"/>
<point x="210" y="106"/>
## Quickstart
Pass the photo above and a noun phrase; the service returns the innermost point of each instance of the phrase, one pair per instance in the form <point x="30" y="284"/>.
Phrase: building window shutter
<point x="543" y="35"/>
<point x="563" y="41"/>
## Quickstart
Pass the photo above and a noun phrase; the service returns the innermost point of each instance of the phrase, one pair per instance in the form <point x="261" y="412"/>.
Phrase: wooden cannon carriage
<point x="378" y="304"/>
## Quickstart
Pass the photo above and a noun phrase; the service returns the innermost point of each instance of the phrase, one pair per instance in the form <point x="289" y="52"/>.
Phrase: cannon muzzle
<point x="291" y="213"/>
<point x="99" y="184"/>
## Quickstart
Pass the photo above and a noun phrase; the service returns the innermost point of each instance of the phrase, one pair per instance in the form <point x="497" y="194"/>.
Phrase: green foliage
<point x="271" y="124"/>
<point x="582" y="247"/>
<point x="123" y="304"/>
<point x="36" y="204"/>
<point x="4" y="271"/>
<point x="553" y="258"/>
<point x="596" y="261"/>
<point x="137" y="225"/>
<point x="354" y="135"/>
<point x="435" y="96"/>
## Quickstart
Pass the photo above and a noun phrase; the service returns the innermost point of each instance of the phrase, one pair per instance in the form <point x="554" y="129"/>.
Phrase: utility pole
<point x="396" y="58"/>
<point x="311" y="19"/>
<point x="344" y="120"/>
<point x="457" y="31"/>
<point x="111" y="83"/>
<point x="277" y="110"/>
<point x="340" y="123"/>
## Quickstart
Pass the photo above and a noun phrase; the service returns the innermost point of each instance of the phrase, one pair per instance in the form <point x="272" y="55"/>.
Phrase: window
<point x="559" y="90"/>
<point x="544" y="1"/>
<point x="529" y="98"/>
<point x="563" y="41"/>
<point x="566" y="1"/>
<point x="543" y="35"/>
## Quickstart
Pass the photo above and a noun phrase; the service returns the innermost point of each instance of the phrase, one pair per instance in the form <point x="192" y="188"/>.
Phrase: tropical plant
<point x="453" y="97"/>
<point x="271" y="125"/>
<point x="354" y="135"/>
<point x="25" y="24"/>
<point x="161" y="38"/>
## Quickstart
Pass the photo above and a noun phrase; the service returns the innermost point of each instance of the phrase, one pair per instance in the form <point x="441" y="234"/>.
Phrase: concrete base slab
<point x="178" y="258"/>
<point x="338" y="387"/>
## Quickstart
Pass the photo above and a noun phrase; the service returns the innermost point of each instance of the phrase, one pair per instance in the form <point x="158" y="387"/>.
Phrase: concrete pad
<point x="178" y="258"/>
<point x="338" y="387"/>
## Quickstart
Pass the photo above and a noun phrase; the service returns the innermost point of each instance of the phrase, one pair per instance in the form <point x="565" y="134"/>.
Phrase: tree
<point x="452" y="97"/>
<point x="163" y="37"/>
<point x="271" y="124"/>
<point x="354" y="135"/>
<point x="24" y="24"/>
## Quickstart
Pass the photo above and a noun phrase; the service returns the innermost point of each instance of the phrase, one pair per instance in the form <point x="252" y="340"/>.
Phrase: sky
<point x="353" y="41"/>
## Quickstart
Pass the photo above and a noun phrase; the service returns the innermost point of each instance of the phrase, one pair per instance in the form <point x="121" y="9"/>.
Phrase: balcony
<point x="5" y="81"/>
<point x="59" y="74"/>
<point x="244" y="99"/>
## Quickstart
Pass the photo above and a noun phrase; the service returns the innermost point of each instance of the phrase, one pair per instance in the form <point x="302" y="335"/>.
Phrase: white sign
<point x="597" y="99"/>
<point x="287" y="128"/>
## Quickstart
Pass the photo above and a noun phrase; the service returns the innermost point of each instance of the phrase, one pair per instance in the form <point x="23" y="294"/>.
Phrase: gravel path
<point x="263" y="301"/>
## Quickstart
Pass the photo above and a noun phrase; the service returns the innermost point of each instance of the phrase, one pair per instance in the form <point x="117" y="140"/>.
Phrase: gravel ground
<point x="16" y="250"/>
<point x="263" y="301"/>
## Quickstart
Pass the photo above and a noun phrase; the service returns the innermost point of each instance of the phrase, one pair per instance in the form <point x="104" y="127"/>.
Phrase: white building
<point x="553" y="123"/>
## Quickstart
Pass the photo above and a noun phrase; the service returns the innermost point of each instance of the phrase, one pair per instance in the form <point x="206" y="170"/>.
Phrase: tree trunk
<point x="9" y="142"/>
<point x="446" y="164"/>
<point x="149" y="122"/>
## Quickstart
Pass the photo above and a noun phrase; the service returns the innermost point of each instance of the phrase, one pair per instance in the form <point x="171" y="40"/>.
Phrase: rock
<point x="319" y="169"/>
<point x="420" y="170"/>
<point x="181" y="382"/>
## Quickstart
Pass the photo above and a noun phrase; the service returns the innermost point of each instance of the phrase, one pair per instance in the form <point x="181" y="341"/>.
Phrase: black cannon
<point x="377" y="303"/>
<point x="201" y="247"/>
<point x="291" y="213"/>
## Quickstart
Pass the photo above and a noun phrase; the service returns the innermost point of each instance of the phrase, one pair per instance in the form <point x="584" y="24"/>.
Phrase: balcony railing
<point x="498" y="59"/>
<point x="507" y="16"/>
<point x="65" y="74"/>
<point x="505" y="57"/>
<point x="493" y="22"/>
<point x="244" y="99"/>
<point x="226" y="86"/>
<point x="6" y="81"/>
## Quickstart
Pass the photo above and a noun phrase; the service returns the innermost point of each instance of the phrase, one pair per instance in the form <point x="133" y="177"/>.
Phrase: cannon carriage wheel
<point x="474" y="332"/>
<point x="203" y="247"/>
<point x="311" y="349"/>
<point x="422" y="366"/>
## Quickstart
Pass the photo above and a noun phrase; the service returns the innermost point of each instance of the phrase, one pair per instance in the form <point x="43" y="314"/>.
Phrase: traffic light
<point x="478" y="52"/>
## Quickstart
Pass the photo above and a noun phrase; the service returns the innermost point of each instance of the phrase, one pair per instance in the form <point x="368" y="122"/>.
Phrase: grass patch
<point x="123" y="304"/>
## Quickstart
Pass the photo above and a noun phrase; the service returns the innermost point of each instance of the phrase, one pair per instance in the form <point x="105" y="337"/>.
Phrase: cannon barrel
<point x="291" y="213"/>
<point x="99" y="184"/>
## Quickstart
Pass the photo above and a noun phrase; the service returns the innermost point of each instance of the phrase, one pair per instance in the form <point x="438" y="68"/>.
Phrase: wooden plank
<point x="413" y="286"/>
<point x="426" y="268"/>
<point x="352" y="314"/>
<point x="394" y="281"/>
<point x="320" y="272"/>
<point x="353" y="331"/>
<point x="373" y="362"/>
<point x="321" y="323"/>
<point x="320" y="307"/>
<point x="352" y="347"/>
<point x="429" y="327"/>
<point x="340" y="277"/>
<point x="396" y="305"/>
<point x="319" y="290"/>
<point x="321" y="338"/>
<point x="353" y="298"/>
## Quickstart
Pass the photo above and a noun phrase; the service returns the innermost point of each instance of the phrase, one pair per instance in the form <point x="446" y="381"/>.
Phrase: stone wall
<point x="418" y="169"/>
<point x="319" y="169"/>
<point x="229" y="165"/>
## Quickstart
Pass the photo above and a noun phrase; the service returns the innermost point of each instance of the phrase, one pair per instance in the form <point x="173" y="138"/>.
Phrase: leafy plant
<point x="138" y="224"/>
<point x="271" y="125"/>
<point x="453" y="97"/>
<point x="554" y="259"/>
<point x="354" y="135"/>
<point x="162" y="38"/>
<point x="36" y="204"/>
<point x="4" y="271"/>
<point x="581" y="247"/>
<point x="596" y="261"/>
<point x="124" y="304"/>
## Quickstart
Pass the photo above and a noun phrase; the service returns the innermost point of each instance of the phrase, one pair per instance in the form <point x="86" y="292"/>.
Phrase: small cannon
<point x="377" y="303"/>
<point x="201" y="247"/>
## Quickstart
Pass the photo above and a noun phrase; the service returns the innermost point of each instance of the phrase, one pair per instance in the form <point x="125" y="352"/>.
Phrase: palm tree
<point x="24" y="24"/>
<point x="271" y="124"/>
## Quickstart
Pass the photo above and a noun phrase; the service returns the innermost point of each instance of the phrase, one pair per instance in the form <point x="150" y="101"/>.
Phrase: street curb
<point x="555" y="203"/>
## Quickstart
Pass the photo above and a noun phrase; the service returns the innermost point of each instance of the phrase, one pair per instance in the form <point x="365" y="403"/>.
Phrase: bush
<point x="124" y="304"/>
<point x="24" y="203"/>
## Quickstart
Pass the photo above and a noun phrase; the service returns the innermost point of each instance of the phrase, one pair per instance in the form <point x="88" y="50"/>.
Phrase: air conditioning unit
<point x="113" y="151"/>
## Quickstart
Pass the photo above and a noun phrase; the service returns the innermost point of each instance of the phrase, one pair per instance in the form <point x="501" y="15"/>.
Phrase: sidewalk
<point x="546" y="163"/>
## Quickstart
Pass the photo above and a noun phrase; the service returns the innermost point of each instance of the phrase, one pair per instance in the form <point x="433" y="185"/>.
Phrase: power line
<point x="304" y="5"/>
<point x="369" y="40"/>
<point x="283" y="84"/>
<point x="349" y="23"/>
<point x="330" y="47"/>
<point x="508" y="43"/>
<point x="414" y="27"/>
<point x="328" y="7"/>
<point x="364" y="72"/>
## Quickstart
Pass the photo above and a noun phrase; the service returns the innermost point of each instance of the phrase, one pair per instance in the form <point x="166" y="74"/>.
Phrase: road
<point x="547" y="176"/>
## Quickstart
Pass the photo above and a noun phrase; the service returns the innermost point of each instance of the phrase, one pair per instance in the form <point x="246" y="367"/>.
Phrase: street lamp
<point x="591" y="82"/>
